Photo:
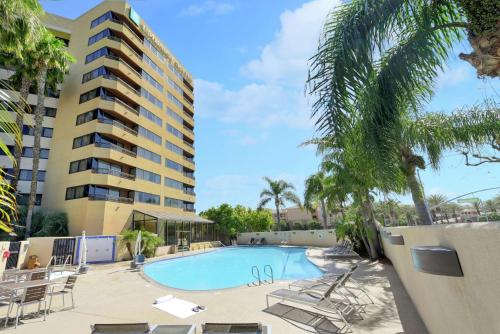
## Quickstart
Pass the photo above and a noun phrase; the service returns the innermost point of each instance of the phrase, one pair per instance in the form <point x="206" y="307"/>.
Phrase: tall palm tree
<point x="52" y="58"/>
<point x="279" y="192"/>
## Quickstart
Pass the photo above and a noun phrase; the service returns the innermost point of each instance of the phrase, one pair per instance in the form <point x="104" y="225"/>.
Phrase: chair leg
<point x="17" y="314"/>
<point x="7" y="315"/>
<point x="50" y="302"/>
<point x="39" y="307"/>
<point x="72" y="300"/>
<point x="63" y="300"/>
<point x="44" y="309"/>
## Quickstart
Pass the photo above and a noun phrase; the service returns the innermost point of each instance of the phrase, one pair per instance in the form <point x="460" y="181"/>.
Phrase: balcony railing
<point x="113" y="172"/>
<point x="116" y="124"/>
<point x="191" y="160"/>
<point x="117" y="100"/>
<point x="188" y="143"/>
<point x="128" y="28"/>
<point x="188" y="129"/>
<point x="124" y="63"/>
<point x="189" y="192"/>
<point x="189" y="175"/>
<point x="115" y="78"/>
<point x="112" y="198"/>
<point x="121" y="40"/>
<point x="189" y="210"/>
<point x="116" y="148"/>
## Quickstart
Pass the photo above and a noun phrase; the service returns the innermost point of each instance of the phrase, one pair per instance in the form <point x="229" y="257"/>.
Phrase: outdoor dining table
<point x="19" y="273"/>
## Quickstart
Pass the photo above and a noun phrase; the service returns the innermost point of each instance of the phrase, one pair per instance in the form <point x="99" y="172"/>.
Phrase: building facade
<point x="122" y="139"/>
<point x="294" y="215"/>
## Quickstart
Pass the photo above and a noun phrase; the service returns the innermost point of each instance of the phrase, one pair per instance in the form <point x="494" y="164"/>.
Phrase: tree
<point x="279" y="192"/>
<point x="50" y="56"/>
<point x="315" y="192"/>
<point x="490" y="206"/>
<point x="150" y="242"/>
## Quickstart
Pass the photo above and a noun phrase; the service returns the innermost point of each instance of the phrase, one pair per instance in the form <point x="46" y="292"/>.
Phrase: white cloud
<point x="276" y="97"/>
<point x="263" y="105"/>
<point x="285" y="58"/>
<point x="210" y="7"/>
<point x="455" y="74"/>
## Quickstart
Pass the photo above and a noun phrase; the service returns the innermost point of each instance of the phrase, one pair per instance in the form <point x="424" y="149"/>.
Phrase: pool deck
<point x="112" y="293"/>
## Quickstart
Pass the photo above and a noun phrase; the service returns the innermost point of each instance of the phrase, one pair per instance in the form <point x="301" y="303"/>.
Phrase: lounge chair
<point x="340" y="251"/>
<point x="325" y="279"/>
<point x="142" y="328"/>
<point x="258" y="241"/>
<point x="250" y="328"/>
<point x="300" y="317"/>
<point x="37" y="275"/>
<point x="67" y="289"/>
<point x="252" y="241"/>
<point x="263" y="241"/>
<point x="321" y="300"/>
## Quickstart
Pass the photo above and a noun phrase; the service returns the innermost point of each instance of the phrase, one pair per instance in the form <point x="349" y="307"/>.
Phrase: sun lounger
<point x="304" y="318"/>
<point x="252" y="241"/>
<point x="321" y="300"/>
<point x="258" y="241"/>
<point x="325" y="279"/>
<point x="341" y="251"/>
<point x="141" y="328"/>
<point x="250" y="328"/>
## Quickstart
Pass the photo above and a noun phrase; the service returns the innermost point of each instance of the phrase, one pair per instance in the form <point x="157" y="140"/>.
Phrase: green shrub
<point x="314" y="225"/>
<point x="150" y="242"/>
<point x="45" y="223"/>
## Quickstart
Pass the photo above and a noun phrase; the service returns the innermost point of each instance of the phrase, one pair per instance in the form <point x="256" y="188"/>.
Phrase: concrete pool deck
<point x="112" y="293"/>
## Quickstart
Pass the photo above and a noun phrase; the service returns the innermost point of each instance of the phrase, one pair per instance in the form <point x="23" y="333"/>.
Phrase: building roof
<point x="167" y="216"/>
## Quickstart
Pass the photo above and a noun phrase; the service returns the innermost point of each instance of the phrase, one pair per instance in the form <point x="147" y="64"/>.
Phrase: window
<point x="171" y="183"/>
<point x="27" y="174"/>
<point x="152" y="81"/>
<point x="91" y="95"/>
<point x="174" y="203"/>
<point x="175" y="100"/>
<point x="153" y="49"/>
<point x="173" y="165"/>
<point x="30" y="131"/>
<point x="149" y="115"/>
<point x="84" y="140"/>
<point x="23" y="199"/>
<point x="86" y="117"/>
<point x="174" y="148"/>
<point x="174" y="131"/>
<point x="80" y="165"/>
<point x="175" y="116"/>
<point x="50" y="112"/>
<point x="151" y="98"/>
<point x="143" y="153"/>
<point x="100" y="71"/>
<point x="97" y="37"/>
<point x="175" y="72"/>
<point x="147" y="198"/>
<point x="77" y="192"/>
<point x="107" y="16"/>
<point x="97" y="54"/>
<point x="143" y="132"/>
<point x="28" y="152"/>
<point x="175" y="86"/>
<point x="153" y="65"/>
<point x="147" y="175"/>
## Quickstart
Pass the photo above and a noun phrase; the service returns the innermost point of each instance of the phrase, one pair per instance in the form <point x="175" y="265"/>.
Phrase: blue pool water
<point x="231" y="267"/>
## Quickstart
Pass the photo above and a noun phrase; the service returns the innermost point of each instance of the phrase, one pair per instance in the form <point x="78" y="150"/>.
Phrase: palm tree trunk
<point x="18" y="149"/>
<point x="278" y="215"/>
<point x="369" y="221"/>
<point x="323" y="212"/>
<point x="39" y="111"/>
<point x="418" y="199"/>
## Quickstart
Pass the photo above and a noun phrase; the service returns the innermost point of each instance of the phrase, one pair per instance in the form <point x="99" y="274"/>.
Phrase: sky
<point x="250" y="62"/>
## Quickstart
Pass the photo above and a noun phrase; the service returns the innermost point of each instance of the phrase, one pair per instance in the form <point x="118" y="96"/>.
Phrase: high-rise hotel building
<point x="118" y="137"/>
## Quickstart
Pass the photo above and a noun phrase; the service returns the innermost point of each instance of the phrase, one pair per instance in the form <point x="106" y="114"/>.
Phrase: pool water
<point x="231" y="267"/>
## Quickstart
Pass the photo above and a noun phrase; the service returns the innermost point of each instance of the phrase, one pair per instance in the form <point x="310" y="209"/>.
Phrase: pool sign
<point x="134" y="16"/>
<point x="468" y="200"/>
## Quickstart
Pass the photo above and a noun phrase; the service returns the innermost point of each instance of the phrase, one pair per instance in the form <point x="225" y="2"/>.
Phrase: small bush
<point x="150" y="242"/>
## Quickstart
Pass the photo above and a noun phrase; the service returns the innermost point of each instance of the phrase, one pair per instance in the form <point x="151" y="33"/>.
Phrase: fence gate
<point x="63" y="247"/>
<point x="14" y="248"/>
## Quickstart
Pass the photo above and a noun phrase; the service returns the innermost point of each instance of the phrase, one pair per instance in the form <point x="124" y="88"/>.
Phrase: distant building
<point x="297" y="215"/>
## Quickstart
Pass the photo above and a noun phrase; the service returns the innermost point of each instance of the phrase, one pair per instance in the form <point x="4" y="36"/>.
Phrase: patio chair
<point x="37" y="275"/>
<point x="298" y="317"/>
<point x="321" y="300"/>
<point x="31" y="295"/>
<point x="66" y="290"/>
<point x="219" y="328"/>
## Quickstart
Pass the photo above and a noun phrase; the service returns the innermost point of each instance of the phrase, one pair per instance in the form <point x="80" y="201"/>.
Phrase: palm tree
<point x="279" y="192"/>
<point x="490" y="206"/>
<point x="316" y="193"/>
<point x="52" y="58"/>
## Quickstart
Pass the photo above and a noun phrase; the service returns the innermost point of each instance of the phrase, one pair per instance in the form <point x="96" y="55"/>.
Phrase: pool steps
<point x="256" y="274"/>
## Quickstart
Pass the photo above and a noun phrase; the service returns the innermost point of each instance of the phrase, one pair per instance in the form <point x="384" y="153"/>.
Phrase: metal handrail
<point x="108" y="171"/>
<point x="188" y="143"/>
<point x="191" y="160"/>
<point x="256" y="275"/>
<point x="189" y="175"/>
<point x="117" y="100"/>
<point x="116" y="148"/>
<point x="189" y="192"/>
<point x="102" y="197"/>
<point x="126" y="26"/>
<point x="269" y="274"/>
<point x="188" y="129"/>
<point x="116" y="78"/>
<point x="120" y="40"/>
<point x="117" y="124"/>
<point x="112" y="57"/>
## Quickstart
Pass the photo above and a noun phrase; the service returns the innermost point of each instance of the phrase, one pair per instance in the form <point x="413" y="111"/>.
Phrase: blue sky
<point x="249" y="60"/>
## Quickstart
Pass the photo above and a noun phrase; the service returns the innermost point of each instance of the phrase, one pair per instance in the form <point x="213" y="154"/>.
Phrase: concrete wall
<point x="317" y="238"/>
<point x="468" y="304"/>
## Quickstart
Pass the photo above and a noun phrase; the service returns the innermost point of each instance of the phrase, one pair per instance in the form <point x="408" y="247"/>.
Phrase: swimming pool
<point x="231" y="267"/>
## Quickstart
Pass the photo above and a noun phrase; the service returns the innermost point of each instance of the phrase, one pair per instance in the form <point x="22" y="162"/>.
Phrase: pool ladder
<point x="268" y="271"/>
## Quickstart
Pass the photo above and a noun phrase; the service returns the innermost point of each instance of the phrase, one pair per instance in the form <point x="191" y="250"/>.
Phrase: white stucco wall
<point x="316" y="238"/>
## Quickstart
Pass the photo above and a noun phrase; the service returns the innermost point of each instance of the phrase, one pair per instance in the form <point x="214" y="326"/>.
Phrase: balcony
<point x="116" y="148"/>
<point x="117" y="124"/>
<point x="188" y="159"/>
<point x="189" y="210"/>
<point x="189" y="192"/>
<point x="128" y="46"/>
<point x="111" y="198"/>
<point x="112" y="172"/>
<point x="189" y="175"/>
<point x="188" y="129"/>
<point x="113" y="77"/>
<point x="122" y="61"/>
<point x="120" y="102"/>
<point x="188" y="143"/>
